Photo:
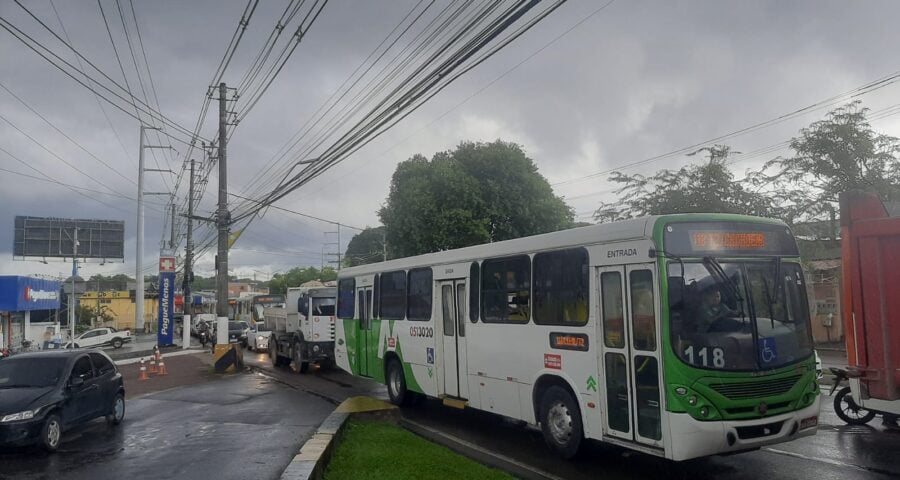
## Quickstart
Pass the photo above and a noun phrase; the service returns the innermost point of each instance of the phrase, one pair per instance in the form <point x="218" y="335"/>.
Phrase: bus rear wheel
<point x="561" y="422"/>
<point x="396" y="383"/>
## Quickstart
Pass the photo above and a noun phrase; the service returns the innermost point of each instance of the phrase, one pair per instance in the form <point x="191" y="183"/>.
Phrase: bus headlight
<point x="681" y="391"/>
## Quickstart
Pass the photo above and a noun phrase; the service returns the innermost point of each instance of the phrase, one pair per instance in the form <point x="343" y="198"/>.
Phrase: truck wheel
<point x="297" y="364"/>
<point x="273" y="355"/>
<point x="396" y="384"/>
<point x="561" y="422"/>
<point x="849" y="411"/>
<point x="117" y="343"/>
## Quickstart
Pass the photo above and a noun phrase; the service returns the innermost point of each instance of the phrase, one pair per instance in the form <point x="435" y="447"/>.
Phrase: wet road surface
<point x="237" y="427"/>
<point x="837" y="451"/>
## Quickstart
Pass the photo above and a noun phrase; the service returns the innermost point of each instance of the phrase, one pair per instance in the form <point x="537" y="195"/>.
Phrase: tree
<point x="834" y="155"/>
<point x="365" y="247"/>
<point x="697" y="188"/>
<point x="478" y="193"/>
<point x="298" y="276"/>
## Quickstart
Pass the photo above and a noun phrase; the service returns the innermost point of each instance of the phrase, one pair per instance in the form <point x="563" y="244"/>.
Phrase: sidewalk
<point x="185" y="369"/>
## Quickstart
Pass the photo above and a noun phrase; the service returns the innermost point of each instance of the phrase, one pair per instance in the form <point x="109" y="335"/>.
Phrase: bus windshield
<point x="729" y="315"/>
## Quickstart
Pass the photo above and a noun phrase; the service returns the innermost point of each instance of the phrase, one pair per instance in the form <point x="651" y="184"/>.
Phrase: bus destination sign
<point x="718" y="240"/>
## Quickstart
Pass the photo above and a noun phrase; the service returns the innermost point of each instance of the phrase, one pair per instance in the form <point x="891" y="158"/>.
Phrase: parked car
<point x="43" y="394"/>
<point x="101" y="337"/>
<point x="258" y="337"/>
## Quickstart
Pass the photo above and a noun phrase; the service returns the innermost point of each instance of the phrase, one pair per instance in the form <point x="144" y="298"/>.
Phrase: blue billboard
<point x="166" y="307"/>
<point x="21" y="294"/>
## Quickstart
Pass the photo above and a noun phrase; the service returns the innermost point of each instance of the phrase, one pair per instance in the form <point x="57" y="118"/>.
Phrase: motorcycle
<point x="846" y="408"/>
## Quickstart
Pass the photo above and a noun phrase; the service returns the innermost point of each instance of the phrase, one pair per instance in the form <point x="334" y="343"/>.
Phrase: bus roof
<point x="632" y="229"/>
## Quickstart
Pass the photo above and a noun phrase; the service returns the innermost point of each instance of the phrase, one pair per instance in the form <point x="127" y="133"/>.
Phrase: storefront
<point x="28" y="310"/>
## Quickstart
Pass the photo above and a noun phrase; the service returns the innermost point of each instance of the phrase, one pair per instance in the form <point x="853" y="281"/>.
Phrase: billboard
<point x="48" y="237"/>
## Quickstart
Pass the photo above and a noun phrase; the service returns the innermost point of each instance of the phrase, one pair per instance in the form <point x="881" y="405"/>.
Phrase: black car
<point x="237" y="333"/>
<point x="44" y="393"/>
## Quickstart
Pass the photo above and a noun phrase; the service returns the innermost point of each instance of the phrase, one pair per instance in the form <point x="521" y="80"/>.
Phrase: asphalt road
<point x="237" y="427"/>
<point x="837" y="451"/>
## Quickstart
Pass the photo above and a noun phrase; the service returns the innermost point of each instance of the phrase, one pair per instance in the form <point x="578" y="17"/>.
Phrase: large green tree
<point x="477" y="193"/>
<point x="365" y="247"/>
<point x="707" y="187"/>
<point x="837" y="154"/>
<point x="298" y="276"/>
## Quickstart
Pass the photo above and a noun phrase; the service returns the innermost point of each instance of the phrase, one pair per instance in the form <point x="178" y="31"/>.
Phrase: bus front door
<point x="630" y="353"/>
<point x="366" y="340"/>
<point x="453" y="337"/>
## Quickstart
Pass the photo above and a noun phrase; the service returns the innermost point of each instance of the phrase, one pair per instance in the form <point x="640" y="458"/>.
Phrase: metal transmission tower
<point x="139" y="255"/>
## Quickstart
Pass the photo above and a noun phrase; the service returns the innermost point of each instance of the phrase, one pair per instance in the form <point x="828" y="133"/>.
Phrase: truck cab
<point x="303" y="330"/>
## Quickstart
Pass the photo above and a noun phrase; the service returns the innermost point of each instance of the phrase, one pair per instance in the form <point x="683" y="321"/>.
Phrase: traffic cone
<point x="153" y="369"/>
<point x="156" y="353"/>
<point x="162" y="367"/>
<point x="143" y="375"/>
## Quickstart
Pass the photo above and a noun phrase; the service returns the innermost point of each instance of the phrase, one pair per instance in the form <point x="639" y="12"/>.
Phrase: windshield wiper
<point x="723" y="278"/>
<point x="777" y="286"/>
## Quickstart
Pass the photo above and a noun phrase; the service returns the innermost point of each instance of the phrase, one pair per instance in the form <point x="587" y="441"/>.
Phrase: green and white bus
<point x="679" y="335"/>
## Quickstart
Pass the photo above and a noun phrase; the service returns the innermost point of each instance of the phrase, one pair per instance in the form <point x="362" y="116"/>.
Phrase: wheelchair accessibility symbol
<point x="767" y="351"/>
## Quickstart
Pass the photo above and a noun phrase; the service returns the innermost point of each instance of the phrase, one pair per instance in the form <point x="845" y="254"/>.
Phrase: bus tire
<point x="396" y="383"/>
<point x="561" y="422"/>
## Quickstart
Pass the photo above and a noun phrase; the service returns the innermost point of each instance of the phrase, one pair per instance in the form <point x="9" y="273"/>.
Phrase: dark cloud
<point x="636" y="80"/>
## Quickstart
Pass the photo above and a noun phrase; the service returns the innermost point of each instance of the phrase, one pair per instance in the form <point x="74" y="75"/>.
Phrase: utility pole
<point x="139" y="254"/>
<point x="188" y="266"/>
<point x="139" y="260"/>
<point x="172" y="227"/>
<point x="74" y="298"/>
<point x="222" y="221"/>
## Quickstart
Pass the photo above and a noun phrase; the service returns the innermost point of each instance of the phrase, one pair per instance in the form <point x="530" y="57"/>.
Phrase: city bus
<point x="680" y="336"/>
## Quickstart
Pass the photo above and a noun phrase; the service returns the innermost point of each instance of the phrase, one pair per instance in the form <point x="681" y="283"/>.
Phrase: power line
<point x="52" y="125"/>
<point x="854" y="93"/>
<point x="35" y="45"/>
<point x="298" y="213"/>
<point x="94" y="92"/>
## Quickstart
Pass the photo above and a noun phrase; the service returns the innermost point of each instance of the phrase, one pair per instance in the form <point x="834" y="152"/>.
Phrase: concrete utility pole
<point x="172" y="227"/>
<point x="188" y="265"/>
<point x="222" y="221"/>
<point x="73" y="298"/>
<point x="139" y="254"/>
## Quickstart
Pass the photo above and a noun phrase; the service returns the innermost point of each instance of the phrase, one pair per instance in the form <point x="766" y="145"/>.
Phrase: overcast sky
<point x="635" y="80"/>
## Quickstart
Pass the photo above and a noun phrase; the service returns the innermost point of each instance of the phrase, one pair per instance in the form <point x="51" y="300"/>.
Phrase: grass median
<point x="380" y="450"/>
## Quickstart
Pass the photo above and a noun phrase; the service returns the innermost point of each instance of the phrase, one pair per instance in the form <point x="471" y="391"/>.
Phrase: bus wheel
<point x="396" y="384"/>
<point x="561" y="422"/>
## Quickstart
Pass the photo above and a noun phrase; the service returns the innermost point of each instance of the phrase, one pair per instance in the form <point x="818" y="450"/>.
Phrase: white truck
<point x="303" y="331"/>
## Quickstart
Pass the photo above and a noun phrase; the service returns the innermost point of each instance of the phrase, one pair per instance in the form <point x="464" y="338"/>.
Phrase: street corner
<point x="146" y="377"/>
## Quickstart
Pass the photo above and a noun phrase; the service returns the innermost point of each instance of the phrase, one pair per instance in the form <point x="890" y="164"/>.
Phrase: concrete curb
<point x="477" y="453"/>
<point x="315" y="454"/>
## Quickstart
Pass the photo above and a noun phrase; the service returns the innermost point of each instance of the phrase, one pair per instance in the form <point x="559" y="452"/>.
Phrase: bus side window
<point x="613" y="314"/>
<point x="643" y="312"/>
